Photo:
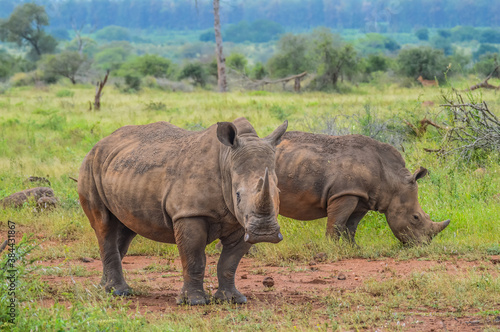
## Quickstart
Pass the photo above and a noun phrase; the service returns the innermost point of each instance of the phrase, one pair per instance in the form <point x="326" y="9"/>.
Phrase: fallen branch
<point x="422" y="127"/>
<point x="297" y="78"/>
<point x="72" y="178"/>
<point x="485" y="84"/>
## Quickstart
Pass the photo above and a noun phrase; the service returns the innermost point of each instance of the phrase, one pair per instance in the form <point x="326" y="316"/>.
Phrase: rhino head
<point x="251" y="191"/>
<point x="407" y="220"/>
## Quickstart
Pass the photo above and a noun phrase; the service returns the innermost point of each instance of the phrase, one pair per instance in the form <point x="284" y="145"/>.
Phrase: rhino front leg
<point x="232" y="252"/>
<point x="339" y="212"/>
<point x="191" y="239"/>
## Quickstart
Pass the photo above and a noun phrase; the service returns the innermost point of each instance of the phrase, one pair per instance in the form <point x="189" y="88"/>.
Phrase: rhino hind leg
<point x="191" y="235"/>
<point x="352" y="224"/>
<point x="108" y="231"/>
<point x="226" y="270"/>
<point x="339" y="213"/>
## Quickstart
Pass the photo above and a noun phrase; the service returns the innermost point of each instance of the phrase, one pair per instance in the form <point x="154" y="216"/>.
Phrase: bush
<point x="376" y="43"/>
<point x="376" y="62"/>
<point x="194" y="71"/>
<point x="484" y="49"/>
<point x="442" y="43"/>
<point x="132" y="82"/>
<point x="149" y="64"/>
<point x="237" y="61"/>
<point x="259" y="31"/>
<point x="64" y="93"/>
<point x="461" y="33"/>
<point x="113" y="32"/>
<point x="208" y="36"/>
<point x="490" y="36"/>
<point x="487" y="64"/>
<point x="23" y="79"/>
<point x="259" y="71"/>
<point x="111" y="58"/>
<point x="422" y="34"/>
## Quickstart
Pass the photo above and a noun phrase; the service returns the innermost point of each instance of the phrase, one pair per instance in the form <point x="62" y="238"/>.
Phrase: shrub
<point x="259" y="31"/>
<point x="64" y="93"/>
<point x="149" y="64"/>
<point x="422" y="34"/>
<point x="194" y="71"/>
<point x="237" y="61"/>
<point x="23" y="79"/>
<point x="484" y="49"/>
<point x="208" y="36"/>
<point x="487" y="64"/>
<point x="113" y="32"/>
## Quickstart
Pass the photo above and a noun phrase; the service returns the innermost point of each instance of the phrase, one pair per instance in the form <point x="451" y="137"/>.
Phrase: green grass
<point x="47" y="132"/>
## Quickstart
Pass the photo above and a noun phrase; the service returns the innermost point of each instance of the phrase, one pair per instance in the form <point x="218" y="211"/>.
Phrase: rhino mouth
<point x="252" y="237"/>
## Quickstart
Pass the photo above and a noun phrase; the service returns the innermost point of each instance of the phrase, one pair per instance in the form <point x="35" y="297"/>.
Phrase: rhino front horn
<point x="439" y="226"/>
<point x="264" y="192"/>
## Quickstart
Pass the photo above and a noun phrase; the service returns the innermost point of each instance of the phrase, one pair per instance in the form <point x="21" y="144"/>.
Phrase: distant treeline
<point x="369" y="15"/>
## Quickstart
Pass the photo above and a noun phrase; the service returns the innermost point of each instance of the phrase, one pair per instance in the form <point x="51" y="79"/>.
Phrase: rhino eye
<point x="415" y="217"/>
<point x="238" y="198"/>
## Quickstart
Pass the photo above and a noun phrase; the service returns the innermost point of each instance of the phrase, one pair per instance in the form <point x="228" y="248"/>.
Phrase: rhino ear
<point x="275" y="137"/>
<point x="227" y="134"/>
<point x="419" y="173"/>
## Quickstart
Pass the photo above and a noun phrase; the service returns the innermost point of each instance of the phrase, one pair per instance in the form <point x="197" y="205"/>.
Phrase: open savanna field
<point x="452" y="284"/>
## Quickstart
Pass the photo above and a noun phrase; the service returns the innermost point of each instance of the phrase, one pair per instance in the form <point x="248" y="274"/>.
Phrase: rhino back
<point x="152" y="175"/>
<point x="313" y="168"/>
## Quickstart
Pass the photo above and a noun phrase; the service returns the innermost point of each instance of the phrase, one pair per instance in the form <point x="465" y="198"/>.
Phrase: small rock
<point x="244" y="276"/>
<point x="497" y="319"/>
<point x="356" y="278"/>
<point x="86" y="259"/>
<point x="474" y="322"/>
<point x="320" y="257"/>
<point x="268" y="282"/>
<point x="341" y="276"/>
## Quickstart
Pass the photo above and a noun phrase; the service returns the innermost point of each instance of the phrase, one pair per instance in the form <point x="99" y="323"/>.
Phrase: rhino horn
<point x="264" y="198"/>
<point x="439" y="226"/>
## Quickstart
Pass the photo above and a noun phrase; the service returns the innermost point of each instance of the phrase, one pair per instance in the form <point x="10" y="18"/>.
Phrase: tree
<point x="424" y="61"/>
<point x="334" y="58"/>
<point x="291" y="57"/>
<point x="66" y="64"/>
<point x="221" y="61"/>
<point x="25" y="26"/>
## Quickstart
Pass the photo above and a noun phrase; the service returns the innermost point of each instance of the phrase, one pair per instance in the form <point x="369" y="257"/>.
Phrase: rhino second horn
<point x="440" y="226"/>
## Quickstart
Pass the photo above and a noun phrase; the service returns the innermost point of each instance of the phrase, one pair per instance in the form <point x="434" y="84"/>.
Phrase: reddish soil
<point x="297" y="284"/>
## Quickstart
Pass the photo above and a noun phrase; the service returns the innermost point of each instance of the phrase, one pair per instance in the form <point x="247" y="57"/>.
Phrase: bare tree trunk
<point x="98" y="91"/>
<point x="221" y="61"/>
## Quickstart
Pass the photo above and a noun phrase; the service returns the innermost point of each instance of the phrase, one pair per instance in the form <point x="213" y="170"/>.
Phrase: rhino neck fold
<point x="227" y="181"/>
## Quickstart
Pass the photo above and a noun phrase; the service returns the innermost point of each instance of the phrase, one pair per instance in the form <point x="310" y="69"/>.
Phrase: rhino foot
<point x="196" y="298"/>
<point x="119" y="291"/>
<point x="232" y="296"/>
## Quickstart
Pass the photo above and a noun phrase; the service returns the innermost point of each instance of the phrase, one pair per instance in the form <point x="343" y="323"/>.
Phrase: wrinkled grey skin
<point x="344" y="177"/>
<point x="189" y="188"/>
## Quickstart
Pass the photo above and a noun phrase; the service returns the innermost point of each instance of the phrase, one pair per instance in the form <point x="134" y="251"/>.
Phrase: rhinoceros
<point x="189" y="188"/>
<point x="344" y="177"/>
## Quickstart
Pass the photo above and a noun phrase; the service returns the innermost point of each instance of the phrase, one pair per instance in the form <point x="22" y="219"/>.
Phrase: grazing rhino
<point x="344" y="177"/>
<point x="189" y="188"/>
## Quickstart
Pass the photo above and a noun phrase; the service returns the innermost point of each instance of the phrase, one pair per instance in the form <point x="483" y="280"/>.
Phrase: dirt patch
<point x="159" y="280"/>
